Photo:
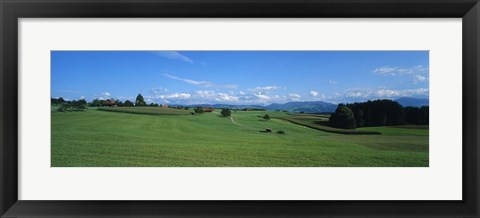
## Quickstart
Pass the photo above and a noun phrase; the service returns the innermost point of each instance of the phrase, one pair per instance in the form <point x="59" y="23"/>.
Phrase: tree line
<point x="79" y="105"/>
<point x="377" y="113"/>
<point x="74" y="105"/>
<point x="139" y="102"/>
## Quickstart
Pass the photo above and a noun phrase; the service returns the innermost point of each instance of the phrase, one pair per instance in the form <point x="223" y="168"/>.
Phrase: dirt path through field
<point x="233" y="121"/>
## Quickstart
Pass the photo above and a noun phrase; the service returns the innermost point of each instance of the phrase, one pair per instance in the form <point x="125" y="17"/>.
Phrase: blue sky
<point x="240" y="77"/>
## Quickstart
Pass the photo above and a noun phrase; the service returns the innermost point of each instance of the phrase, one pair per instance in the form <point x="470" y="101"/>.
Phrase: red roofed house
<point x="209" y="109"/>
<point x="109" y="103"/>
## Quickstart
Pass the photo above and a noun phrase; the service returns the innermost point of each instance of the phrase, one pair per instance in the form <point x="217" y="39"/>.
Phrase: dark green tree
<point x="379" y="113"/>
<point x="95" y="103"/>
<point x="140" y="102"/>
<point x="199" y="110"/>
<point x="119" y="103"/>
<point x="66" y="106"/>
<point x="413" y="115"/>
<point x="82" y="104"/>
<point x="57" y="101"/>
<point x="424" y="115"/>
<point x="358" y="112"/>
<point x="266" y="117"/>
<point x="128" y="103"/>
<point x="342" y="118"/>
<point x="226" y="112"/>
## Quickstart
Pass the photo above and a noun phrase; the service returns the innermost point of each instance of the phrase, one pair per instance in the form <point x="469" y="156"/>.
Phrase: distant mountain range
<point x="231" y="106"/>
<point x="311" y="106"/>
<point x="412" y="102"/>
<point x="304" y="106"/>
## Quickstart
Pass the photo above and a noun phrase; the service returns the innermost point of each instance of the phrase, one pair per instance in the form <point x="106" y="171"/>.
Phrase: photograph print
<point x="239" y="108"/>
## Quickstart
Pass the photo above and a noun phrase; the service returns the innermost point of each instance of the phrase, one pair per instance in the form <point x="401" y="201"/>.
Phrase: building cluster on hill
<point x="139" y="102"/>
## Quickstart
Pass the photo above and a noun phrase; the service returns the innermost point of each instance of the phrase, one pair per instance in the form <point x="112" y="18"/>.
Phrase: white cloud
<point x="177" y="96"/>
<point x="382" y="92"/>
<point x="82" y="97"/>
<point x="103" y="96"/>
<point x="294" y="96"/>
<point x="332" y="82"/>
<point x="262" y="97"/>
<point x="166" y="98"/>
<point x="314" y="93"/>
<point x="229" y="86"/>
<point x="106" y="94"/>
<point x="226" y="97"/>
<point x="157" y="91"/>
<point x="210" y="96"/>
<point x="200" y="83"/>
<point x="203" y="95"/>
<point x="173" y="55"/>
<point x="69" y="91"/>
<point x="264" y="88"/>
<point x="385" y="70"/>
<point x="122" y="98"/>
<point x="393" y="71"/>
<point x="189" y="81"/>
<point x="419" y="78"/>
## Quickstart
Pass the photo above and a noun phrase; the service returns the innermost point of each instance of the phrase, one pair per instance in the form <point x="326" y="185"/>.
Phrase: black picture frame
<point x="12" y="10"/>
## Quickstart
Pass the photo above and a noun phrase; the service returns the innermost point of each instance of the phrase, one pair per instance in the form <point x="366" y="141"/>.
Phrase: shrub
<point x="280" y="132"/>
<point x="79" y="105"/>
<point x="82" y="107"/>
<point x="226" y="112"/>
<point x="61" y="108"/>
<point x="199" y="110"/>
<point x="266" y="117"/>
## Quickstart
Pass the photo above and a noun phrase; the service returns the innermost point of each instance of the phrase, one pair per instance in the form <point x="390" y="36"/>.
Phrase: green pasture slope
<point x="147" y="110"/>
<point x="320" y="122"/>
<point x="96" y="138"/>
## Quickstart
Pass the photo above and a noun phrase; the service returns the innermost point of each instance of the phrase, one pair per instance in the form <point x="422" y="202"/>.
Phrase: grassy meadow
<point x="157" y="137"/>
<point x="146" y="110"/>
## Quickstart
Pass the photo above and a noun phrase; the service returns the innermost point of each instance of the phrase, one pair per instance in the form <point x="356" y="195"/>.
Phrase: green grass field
<point x="96" y="138"/>
<point x="320" y="122"/>
<point x="147" y="110"/>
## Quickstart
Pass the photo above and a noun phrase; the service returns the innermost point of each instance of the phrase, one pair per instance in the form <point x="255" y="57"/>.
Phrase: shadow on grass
<point x="321" y="122"/>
